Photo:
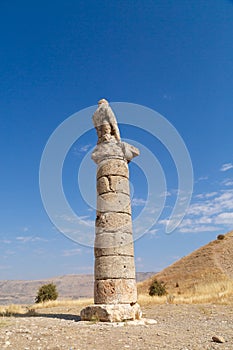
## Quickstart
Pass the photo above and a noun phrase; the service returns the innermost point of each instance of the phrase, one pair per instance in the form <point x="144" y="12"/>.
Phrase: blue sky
<point x="174" y="57"/>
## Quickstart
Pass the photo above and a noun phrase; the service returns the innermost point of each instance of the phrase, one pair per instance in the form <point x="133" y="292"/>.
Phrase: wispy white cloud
<point x="82" y="149"/>
<point x="225" y="218"/>
<point x="71" y="252"/>
<point x="85" y="148"/>
<point x="153" y="231"/>
<point x="206" y="195"/>
<point x="9" y="252"/>
<point x="84" y="220"/>
<point x="226" y="166"/>
<point x="5" y="241"/>
<point x="167" y="97"/>
<point x="211" y="206"/>
<point x="78" y="228"/>
<point x="91" y="209"/>
<point x="138" y="202"/>
<point x="165" y="194"/>
<point x="40" y="251"/>
<point x="198" y="229"/>
<point x="227" y="182"/>
<point x="24" y="239"/>
<point x="27" y="239"/>
<point x="209" y="212"/>
<point x="202" y="178"/>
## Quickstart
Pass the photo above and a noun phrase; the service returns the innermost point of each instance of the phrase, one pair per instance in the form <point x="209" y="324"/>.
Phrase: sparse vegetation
<point x="10" y="310"/>
<point x="46" y="292"/>
<point x="30" y="310"/>
<point x="201" y="275"/>
<point x="157" y="288"/>
<point x="220" y="292"/>
<point x="220" y="237"/>
<point x="57" y="303"/>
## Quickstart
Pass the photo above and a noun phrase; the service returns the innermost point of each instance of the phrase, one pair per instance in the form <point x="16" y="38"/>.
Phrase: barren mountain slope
<point x="212" y="262"/>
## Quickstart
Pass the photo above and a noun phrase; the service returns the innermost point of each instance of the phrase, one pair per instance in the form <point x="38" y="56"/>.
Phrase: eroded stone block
<point x="115" y="202"/>
<point x="119" y="184"/>
<point x="114" y="244"/>
<point x="113" y="222"/>
<point x="107" y="267"/>
<point x="115" y="291"/>
<point x="103" y="185"/>
<point x="113" y="184"/>
<point x="113" y="167"/>
<point x="111" y="312"/>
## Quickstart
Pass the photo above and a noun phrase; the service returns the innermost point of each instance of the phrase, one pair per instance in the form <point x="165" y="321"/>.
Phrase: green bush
<point x="46" y="292"/>
<point x="220" y="237"/>
<point x="157" y="288"/>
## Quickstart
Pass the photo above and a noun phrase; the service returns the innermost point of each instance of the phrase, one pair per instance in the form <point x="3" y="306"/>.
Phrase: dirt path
<point x="179" y="327"/>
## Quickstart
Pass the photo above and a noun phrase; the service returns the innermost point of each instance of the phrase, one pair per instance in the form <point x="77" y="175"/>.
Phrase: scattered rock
<point x="56" y="331"/>
<point x="141" y="322"/>
<point x="149" y="321"/>
<point x="218" y="339"/>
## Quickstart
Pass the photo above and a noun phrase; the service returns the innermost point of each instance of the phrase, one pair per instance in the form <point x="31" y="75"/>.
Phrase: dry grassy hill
<point x="207" y="265"/>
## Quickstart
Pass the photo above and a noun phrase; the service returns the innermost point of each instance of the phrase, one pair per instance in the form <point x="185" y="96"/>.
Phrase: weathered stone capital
<point x="111" y="150"/>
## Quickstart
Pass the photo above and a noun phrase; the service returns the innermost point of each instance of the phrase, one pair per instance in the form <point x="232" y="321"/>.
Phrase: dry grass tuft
<point x="57" y="303"/>
<point x="12" y="310"/>
<point x="3" y="323"/>
<point x="215" y="292"/>
<point x="146" y="299"/>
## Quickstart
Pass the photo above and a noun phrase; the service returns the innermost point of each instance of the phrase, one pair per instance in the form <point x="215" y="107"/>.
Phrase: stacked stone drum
<point x="114" y="251"/>
<point x="115" y="291"/>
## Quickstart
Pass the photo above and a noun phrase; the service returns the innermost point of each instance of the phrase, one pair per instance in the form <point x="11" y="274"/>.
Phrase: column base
<point x="111" y="312"/>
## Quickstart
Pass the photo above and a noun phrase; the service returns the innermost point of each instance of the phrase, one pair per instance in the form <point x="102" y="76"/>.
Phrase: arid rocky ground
<point x="179" y="327"/>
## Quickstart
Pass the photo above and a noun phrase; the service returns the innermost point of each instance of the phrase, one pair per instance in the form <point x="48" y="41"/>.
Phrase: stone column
<point x="115" y="290"/>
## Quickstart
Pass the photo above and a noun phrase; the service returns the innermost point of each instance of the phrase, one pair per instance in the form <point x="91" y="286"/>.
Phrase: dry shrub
<point x="157" y="288"/>
<point x="220" y="292"/>
<point x="47" y="292"/>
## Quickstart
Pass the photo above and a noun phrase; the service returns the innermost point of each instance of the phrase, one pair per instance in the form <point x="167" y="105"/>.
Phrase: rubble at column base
<point x="111" y="312"/>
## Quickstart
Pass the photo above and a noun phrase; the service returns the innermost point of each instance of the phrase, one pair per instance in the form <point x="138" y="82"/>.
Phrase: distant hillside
<point x="212" y="262"/>
<point x="69" y="287"/>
